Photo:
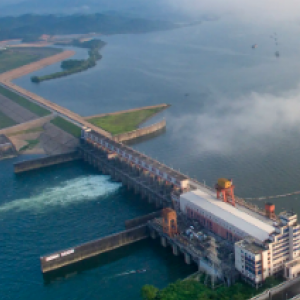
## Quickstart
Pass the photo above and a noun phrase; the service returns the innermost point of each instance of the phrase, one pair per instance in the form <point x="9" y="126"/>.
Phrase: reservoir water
<point x="234" y="113"/>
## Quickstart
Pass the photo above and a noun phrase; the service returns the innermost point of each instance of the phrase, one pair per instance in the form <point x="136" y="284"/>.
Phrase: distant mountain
<point x="142" y="8"/>
<point x="32" y="26"/>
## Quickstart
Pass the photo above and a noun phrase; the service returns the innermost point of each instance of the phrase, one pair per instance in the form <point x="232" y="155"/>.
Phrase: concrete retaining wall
<point x="7" y="149"/>
<point x="140" y="132"/>
<point x="67" y="257"/>
<point x="164" y="105"/>
<point x="28" y="125"/>
<point x="33" y="164"/>
<point x="142" y="220"/>
<point x="277" y="289"/>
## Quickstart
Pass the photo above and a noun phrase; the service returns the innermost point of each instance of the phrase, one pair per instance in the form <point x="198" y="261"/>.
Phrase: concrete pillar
<point x="199" y="264"/>
<point x="153" y="234"/>
<point x="157" y="203"/>
<point x="175" y="250"/>
<point x="187" y="258"/>
<point x="163" y="241"/>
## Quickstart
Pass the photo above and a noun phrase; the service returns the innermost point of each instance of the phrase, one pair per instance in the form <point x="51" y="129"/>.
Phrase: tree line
<point x="72" y="66"/>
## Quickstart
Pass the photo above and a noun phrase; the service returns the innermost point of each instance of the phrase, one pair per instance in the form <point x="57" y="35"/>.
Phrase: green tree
<point x="35" y="79"/>
<point x="149" y="292"/>
<point x="238" y="296"/>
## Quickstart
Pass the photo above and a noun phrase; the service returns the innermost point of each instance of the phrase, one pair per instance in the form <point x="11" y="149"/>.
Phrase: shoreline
<point x="8" y="76"/>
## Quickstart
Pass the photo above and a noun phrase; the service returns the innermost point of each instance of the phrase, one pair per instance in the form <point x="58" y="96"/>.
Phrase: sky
<point x="248" y="10"/>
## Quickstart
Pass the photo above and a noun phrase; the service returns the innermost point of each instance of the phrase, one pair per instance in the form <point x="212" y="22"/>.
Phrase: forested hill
<point x="35" y="25"/>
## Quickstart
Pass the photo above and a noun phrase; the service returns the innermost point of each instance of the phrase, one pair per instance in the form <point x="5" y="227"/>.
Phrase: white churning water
<point x="87" y="188"/>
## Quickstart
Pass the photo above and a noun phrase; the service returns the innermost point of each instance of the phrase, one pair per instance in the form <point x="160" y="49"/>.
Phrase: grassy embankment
<point x="31" y="144"/>
<point x="5" y="121"/>
<point x="31" y="130"/>
<point x="190" y="289"/>
<point x="13" y="58"/>
<point x="72" y="66"/>
<point x="124" y="122"/>
<point x="34" y="108"/>
<point x="67" y="126"/>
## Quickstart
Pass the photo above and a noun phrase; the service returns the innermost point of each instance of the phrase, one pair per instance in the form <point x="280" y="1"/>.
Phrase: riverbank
<point x="15" y="57"/>
<point x="8" y="76"/>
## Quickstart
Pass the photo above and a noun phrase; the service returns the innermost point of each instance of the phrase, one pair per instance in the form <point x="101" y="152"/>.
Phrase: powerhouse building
<point x="262" y="247"/>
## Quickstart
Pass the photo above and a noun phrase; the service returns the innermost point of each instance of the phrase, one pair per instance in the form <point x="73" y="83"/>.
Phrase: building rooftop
<point x="288" y="215"/>
<point x="251" y="246"/>
<point x="232" y="215"/>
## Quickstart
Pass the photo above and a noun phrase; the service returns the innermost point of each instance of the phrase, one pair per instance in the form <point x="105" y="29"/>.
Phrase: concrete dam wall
<point x="29" y="165"/>
<point x="142" y="220"/>
<point x="140" y="132"/>
<point x="70" y="256"/>
<point x="7" y="149"/>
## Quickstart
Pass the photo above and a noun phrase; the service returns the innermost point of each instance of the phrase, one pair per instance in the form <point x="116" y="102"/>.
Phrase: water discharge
<point x="85" y="188"/>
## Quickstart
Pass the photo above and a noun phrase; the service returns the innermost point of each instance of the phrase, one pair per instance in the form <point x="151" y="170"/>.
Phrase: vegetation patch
<point x="5" y="121"/>
<point x="13" y="58"/>
<point x="67" y="126"/>
<point x="190" y="289"/>
<point x="36" y="109"/>
<point x="31" y="130"/>
<point x="30" y="145"/>
<point x="72" y="66"/>
<point x="124" y="122"/>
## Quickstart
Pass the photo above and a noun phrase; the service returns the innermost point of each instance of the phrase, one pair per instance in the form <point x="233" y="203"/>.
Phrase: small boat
<point x="141" y="271"/>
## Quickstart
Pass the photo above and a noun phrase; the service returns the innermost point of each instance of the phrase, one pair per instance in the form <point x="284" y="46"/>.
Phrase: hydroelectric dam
<point x="164" y="187"/>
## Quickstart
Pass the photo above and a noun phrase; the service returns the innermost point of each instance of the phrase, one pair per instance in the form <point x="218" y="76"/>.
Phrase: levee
<point x="43" y="162"/>
<point x="142" y="132"/>
<point x="70" y="256"/>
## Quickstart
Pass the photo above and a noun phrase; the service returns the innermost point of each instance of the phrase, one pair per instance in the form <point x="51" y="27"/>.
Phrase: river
<point x="234" y="113"/>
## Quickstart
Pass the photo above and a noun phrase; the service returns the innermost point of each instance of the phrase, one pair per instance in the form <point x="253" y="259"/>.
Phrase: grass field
<point x="36" y="109"/>
<point x="31" y="144"/>
<point x="13" y="58"/>
<point x="31" y="130"/>
<point x="5" y="121"/>
<point x="124" y="122"/>
<point x="67" y="126"/>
